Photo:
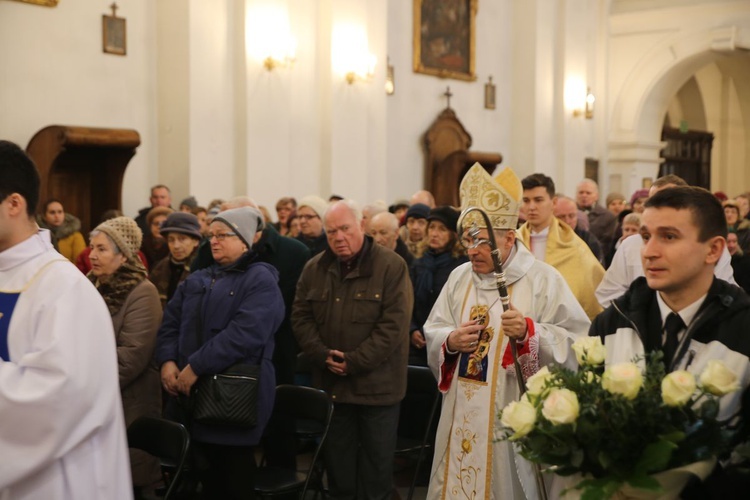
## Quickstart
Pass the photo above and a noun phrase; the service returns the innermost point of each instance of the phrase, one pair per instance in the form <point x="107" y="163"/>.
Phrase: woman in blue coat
<point x="220" y="316"/>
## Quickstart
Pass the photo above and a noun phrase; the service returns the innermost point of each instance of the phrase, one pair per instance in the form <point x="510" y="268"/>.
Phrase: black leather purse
<point x="229" y="398"/>
<point x="226" y="399"/>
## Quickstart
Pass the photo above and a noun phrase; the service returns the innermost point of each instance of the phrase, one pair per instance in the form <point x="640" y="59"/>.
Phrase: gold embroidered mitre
<point x="499" y="197"/>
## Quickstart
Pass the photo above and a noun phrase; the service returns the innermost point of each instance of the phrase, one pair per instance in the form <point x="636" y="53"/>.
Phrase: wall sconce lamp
<point x="588" y="106"/>
<point x="390" y="80"/>
<point x="350" y="55"/>
<point x="363" y="71"/>
<point x="272" y="62"/>
<point x="268" y="36"/>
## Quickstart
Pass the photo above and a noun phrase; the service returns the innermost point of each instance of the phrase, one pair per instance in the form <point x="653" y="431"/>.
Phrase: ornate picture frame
<point x="45" y="3"/>
<point x="444" y="38"/>
<point x="114" y="35"/>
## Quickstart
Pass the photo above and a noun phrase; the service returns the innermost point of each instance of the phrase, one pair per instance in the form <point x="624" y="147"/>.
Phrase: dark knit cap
<point x="190" y="202"/>
<point x="183" y="223"/>
<point x="418" y="211"/>
<point x="398" y="205"/>
<point x="445" y="214"/>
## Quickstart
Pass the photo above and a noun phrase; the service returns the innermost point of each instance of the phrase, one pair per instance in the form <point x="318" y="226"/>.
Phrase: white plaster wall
<point x="211" y="100"/>
<point x="552" y="44"/>
<point x="173" y="96"/>
<point x="53" y="71"/>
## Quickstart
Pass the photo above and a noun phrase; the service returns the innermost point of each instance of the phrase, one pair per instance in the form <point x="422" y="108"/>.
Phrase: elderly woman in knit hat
<point x="441" y="254"/>
<point x="310" y="213"/>
<point x="133" y="302"/>
<point x="615" y="203"/>
<point x="183" y="235"/>
<point x="220" y="316"/>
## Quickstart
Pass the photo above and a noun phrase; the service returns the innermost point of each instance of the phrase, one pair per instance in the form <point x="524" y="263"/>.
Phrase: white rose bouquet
<point x="618" y="426"/>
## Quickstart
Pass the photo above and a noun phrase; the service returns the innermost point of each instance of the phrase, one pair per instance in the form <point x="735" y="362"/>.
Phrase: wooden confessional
<point x="447" y="158"/>
<point x="83" y="167"/>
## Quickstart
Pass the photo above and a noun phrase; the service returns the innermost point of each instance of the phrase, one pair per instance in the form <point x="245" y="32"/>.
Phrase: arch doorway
<point x="692" y="83"/>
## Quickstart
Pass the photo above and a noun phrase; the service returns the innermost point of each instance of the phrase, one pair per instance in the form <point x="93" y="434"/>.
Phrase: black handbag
<point x="226" y="399"/>
<point x="229" y="398"/>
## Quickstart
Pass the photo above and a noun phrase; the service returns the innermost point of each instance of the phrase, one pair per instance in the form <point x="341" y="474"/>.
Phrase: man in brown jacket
<point x="351" y="318"/>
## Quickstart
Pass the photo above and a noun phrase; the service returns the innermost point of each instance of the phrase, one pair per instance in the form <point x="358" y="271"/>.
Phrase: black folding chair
<point x="310" y="410"/>
<point x="169" y="441"/>
<point x="417" y="419"/>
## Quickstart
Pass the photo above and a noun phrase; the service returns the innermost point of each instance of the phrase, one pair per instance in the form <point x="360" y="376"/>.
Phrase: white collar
<point x="543" y="232"/>
<point x="687" y="313"/>
<point x="29" y="248"/>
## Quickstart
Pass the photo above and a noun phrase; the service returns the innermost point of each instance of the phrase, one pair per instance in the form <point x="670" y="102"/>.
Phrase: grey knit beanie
<point x="125" y="232"/>
<point x="245" y="221"/>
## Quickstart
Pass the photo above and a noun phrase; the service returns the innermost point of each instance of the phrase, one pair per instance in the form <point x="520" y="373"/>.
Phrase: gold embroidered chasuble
<point x="481" y="378"/>
<point x="541" y="294"/>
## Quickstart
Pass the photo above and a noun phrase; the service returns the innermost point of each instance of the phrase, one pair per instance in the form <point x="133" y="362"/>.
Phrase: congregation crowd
<point x="188" y="290"/>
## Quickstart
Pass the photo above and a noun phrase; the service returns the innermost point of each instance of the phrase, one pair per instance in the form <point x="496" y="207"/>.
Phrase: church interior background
<point x="666" y="82"/>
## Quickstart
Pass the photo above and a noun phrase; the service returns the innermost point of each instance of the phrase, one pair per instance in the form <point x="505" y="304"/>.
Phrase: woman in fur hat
<point x="134" y="304"/>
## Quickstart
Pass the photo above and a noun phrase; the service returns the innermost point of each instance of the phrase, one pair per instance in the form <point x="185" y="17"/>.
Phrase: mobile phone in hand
<point x="337" y="358"/>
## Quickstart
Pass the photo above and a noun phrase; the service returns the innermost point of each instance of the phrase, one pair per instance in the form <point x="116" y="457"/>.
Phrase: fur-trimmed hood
<point x="71" y="224"/>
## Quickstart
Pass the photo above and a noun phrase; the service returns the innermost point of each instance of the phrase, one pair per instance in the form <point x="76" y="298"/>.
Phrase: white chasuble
<point x="469" y="460"/>
<point x="477" y="386"/>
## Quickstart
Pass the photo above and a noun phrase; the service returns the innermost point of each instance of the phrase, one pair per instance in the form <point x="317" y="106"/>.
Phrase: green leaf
<point x="710" y="409"/>
<point x="644" y="482"/>
<point x="655" y="457"/>
<point x="604" y="460"/>
<point x="593" y="494"/>
<point x="674" y="437"/>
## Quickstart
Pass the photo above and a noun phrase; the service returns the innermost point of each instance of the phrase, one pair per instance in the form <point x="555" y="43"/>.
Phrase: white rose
<point x="591" y="348"/>
<point x="536" y="383"/>
<point x="519" y="416"/>
<point x="717" y="379"/>
<point x="677" y="388"/>
<point x="592" y="378"/>
<point x="561" y="407"/>
<point x="623" y="378"/>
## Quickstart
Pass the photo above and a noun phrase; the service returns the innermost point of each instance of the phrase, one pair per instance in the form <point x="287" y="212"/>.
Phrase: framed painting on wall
<point x="46" y="3"/>
<point x="444" y="38"/>
<point x="114" y="35"/>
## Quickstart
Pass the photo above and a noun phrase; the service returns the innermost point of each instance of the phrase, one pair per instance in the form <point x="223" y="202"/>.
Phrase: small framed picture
<point x="489" y="95"/>
<point x="114" y="35"/>
<point x="646" y="182"/>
